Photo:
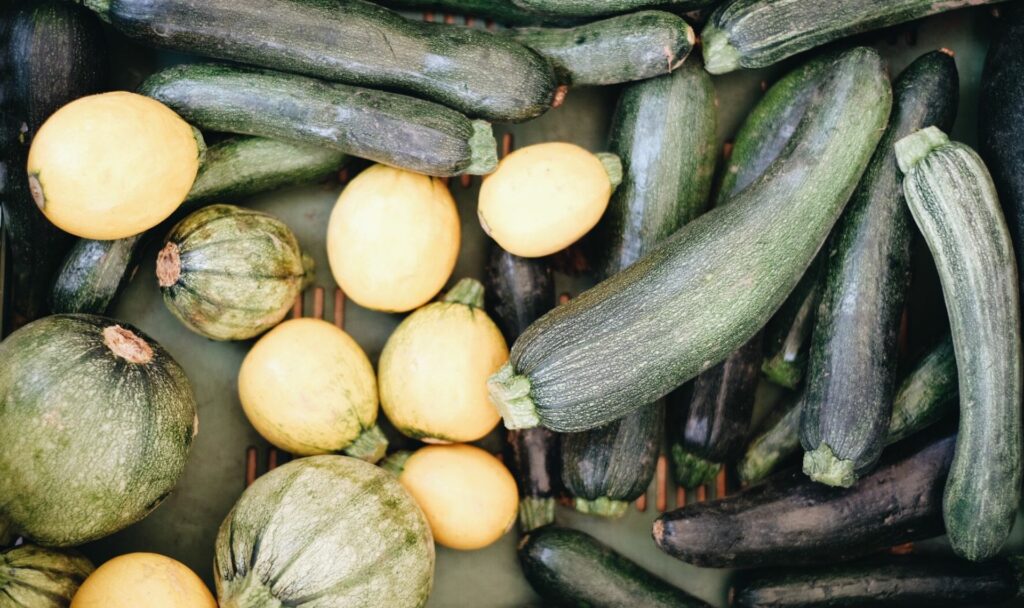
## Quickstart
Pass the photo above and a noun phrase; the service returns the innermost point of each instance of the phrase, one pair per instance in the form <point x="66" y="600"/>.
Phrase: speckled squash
<point x="38" y="577"/>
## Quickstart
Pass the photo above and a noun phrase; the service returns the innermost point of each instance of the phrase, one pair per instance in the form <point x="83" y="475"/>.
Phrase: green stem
<point x="247" y="592"/>
<point x="395" y="463"/>
<point x="823" y="466"/>
<point x="914" y="147"/>
<point x="535" y="512"/>
<point x="100" y="7"/>
<point x="483" y="149"/>
<point x="468" y="292"/>
<point x="692" y="470"/>
<point x="719" y="55"/>
<point x="370" y="445"/>
<point x="308" y="271"/>
<point x="602" y="506"/>
<point x="612" y="166"/>
<point x="510" y="393"/>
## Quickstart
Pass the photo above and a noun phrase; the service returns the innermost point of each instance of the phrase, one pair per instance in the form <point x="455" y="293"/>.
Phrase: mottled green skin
<point x="574" y="569"/>
<point x="691" y="470"/>
<point x="777" y="440"/>
<point x="504" y="11"/>
<point x="952" y="198"/>
<point x="92" y="275"/>
<point x="596" y="8"/>
<point x="539" y="12"/>
<point x="240" y="272"/>
<point x="710" y="287"/>
<point x="37" y="577"/>
<point x="619" y="49"/>
<point x="787" y="337"/>
<point x="324" y="532"/>
<point x="91" y="441"/>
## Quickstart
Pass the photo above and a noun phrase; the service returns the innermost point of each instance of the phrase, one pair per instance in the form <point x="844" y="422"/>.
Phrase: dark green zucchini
<point x="886" y="581"/>
<point x="384" y="127"/>
<point x="351" y="41"/>
<point x="790" y="520"/>
<point x="711" y="286"/>
<point x="575" y="569"/>
<point x="505" y="11"/>
<point x="92" y="275"/>
<point x="852" y="368"/>
<point x="619" y="49"/>
<point x="597" y="8"/>
<point x="952" y="198"/>
<point x="787" y="337"/>
<point x="758" y="33"/>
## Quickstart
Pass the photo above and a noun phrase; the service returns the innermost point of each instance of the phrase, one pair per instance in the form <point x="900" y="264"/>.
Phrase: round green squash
<point x="96" y="421"/>
<point x="230" y="273"/>
<point x="321" y="532"/>
<point x="37" y="577"/>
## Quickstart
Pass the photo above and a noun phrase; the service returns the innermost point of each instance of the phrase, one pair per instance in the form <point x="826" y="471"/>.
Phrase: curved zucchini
<point x="710" y="287"/>
<point x="852" y="371"/>
<point x="351" y="41"/>
<point x="952" y="198"/>
<point x="758" y="33"/>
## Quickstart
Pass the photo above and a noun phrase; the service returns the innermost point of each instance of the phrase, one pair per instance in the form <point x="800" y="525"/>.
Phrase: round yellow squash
<point x="112" y="165"/>
<point x="545" y="197"/>
<point x="434" y="368"/>
<point x="393" y="238"/>
<point x="143" y="579"/>
<point x="308" y="388"/>
<point x="469" y="497"/>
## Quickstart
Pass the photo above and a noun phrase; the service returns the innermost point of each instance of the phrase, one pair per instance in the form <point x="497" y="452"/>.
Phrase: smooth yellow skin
<point x="308" y="388"/>
<point x="112" y="165"/>
<point x="143" y="579"/>
<point x="469" y="497"/>
<point x="433" y="373"/>
<point x="393" y="238"/>
<point x="543" y="198"/>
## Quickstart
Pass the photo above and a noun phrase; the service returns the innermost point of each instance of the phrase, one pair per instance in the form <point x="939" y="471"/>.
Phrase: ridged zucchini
<point x="708" y="288"/>
<point x="853" y="360"/>
<point x="787" y="337"/>
<point x="385" y="127"/>
<point x="92" y="275"/>
<point x="952" y="198"/>
<point x="39" y="577"/>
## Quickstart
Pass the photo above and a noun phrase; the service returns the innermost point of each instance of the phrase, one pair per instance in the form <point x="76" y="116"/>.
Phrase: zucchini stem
<point x="602" y="507"/>
<point x="914" y="147"/>
<point x="468" y="292"/>
<point x="510" y="393"/>
<point x="613" y="166"/>
<point x="536" y="512"/>
<point x="100" y="7"/>
<point x="720" y="56"/>
<point x="823" y="466"/>
<point x="692" y="470"/>
<point x="370" y="445"/>
<point x="483" y="149"/>
<point x="395" y="463"/>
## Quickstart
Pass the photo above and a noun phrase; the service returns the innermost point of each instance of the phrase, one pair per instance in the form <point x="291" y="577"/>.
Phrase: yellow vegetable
<point x="545" y="197"/>
<point x="434" y="368"/>
<point x="308" y="388"/>
<point x="113" y="165"/>
<point x="468" y="496"/>
<point x="393" y="238"/>
<point x="143" y="579"/>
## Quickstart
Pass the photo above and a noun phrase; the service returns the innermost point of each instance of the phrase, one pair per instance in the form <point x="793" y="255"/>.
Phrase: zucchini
<point x="710" y="287"/>
<point x="575" y="569"/>
<point x="758" y="33"/>
<point x="787" y="337"/>
<point x="355" y="42"/>
<point x="853" y="361"/>
<point x="385" y="127"/>
<point x="92" y="275"/>
<point x="791" y="520"/>
<point x="619" y="49"/>
<point x="952" y="198"/>
<point x="596" y="8"/>
<point x="505" y="11"/>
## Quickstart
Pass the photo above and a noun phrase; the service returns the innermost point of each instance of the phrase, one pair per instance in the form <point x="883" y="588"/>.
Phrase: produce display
<point x="39" y="577"/>
<point x="143" y="579"/>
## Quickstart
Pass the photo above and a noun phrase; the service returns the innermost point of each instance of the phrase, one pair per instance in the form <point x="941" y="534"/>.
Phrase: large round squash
<point x="308" y="388"/>
<point x="324" y="531"/>
<point x="143" y="579"/>
<point x="393" y="238"/>
<point x="96" y="421"/>
<point x="112" y="165"/>
<point x="433" y="370"/>
<point x="38" y="577"/>
<point x="230" y="273"/>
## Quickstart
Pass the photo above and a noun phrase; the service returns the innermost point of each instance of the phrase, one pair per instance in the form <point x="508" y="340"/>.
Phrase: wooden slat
<point x="720" y="489"/>
<point x="250" y="466"/>
<point x="297" y="307"/>
<point x="641" y="503"/>
<point x="339" y="308"/>
<point x="661" y="489"/>
<point x="465" y="180"/>
<point x="680" y="497"/>
<point x="506" y="144"/>
<point x="702" y="493"/>
<point x="318" y="303"/>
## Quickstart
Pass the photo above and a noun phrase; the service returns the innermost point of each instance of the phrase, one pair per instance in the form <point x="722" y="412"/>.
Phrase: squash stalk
<point x="536" y="512"/>
<point x="692" y="470"/>
<point x="248" y="591"/>
<point x="483" y="149"/>
<point x="468" y="292"/>
<point x="720" y="57"/>
<point x="510" y="393"/>
<point x="823" y="466"/>
<point x="913" y="148"/>
<point x="100" y="7"/>
<point x="370" y="445"/>
<point x="613" y="167"/>
<point x="602" y="507"/>
<point x="395" y="463"/>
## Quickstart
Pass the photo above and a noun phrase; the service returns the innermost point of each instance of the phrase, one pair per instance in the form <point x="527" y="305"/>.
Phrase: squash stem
<point x="100" y="7"/>
<point x="720" y="56"/>
<point x="692" y="470"/>
<point x="510" y="393"/>
<point x="536" y="512"/>
<point x="308" y="271"/>
<point x="248" y="591"/>
<point x="483" y="149"/>
<point x="370" y="445"/>
<point x="914" y="147"/>
<point x="602" y="506"/>
<point x="468" y="292"/>
<point x="395" y="463"/>
<point x="785" y="373"/>
<point x="612" y="166"/>
<point x="823" y="466"/>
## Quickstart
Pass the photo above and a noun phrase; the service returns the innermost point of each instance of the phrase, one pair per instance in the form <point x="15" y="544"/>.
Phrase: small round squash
<point x="433" y="370"/>
<point x="112" y="165"/>
<point x="545" y="197"/>
<point x="143" y="579"/>
<point x="469" y="497"/>
<point x="40" y="577"/>
<point x="393" y="238"/>
<point x="308" y="388"/>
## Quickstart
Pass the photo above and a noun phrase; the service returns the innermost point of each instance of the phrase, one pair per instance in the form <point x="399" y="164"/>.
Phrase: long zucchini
<point x="710" y="287"/>
<point x="952" y="198"/>
<point x="385" y="127"/>
<point x="852" y="373"/>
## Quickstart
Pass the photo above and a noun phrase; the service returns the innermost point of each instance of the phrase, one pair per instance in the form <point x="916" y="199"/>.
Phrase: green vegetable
<point x="37" y="577"/>
<point x="92" y="275"/>
<point x="787" y="337"/>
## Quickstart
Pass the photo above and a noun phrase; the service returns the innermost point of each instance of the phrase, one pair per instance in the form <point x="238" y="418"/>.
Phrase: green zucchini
<point x="596" y="8"/>
<point x="787" y="337"/>
<point x="39" y="577"/>
<point x="758" y="33"/>
<point x="505" y="11"/>
<point x="355" y="42"/>
<point x="619" y="49"/>
<point x="710" y="287"/>
<point x="852" y="367"/>
<point x="92" y="275"/>
<point x="575" y="569"/>
<point x="385" y="127"/>
<point x="952" y="198"/>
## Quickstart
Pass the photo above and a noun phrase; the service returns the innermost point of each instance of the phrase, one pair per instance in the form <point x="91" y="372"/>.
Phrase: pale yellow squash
<point x="393" y="238"/>
<point x="308" y="388"/>
<point x="143" y="579"/>
<point x="112" y="165"/>
<point x="545" y="197"/>
<point x="434" y="368"/>
<point x="469" y="497"/>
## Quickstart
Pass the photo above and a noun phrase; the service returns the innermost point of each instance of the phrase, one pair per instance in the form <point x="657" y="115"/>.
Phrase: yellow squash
<point x="143" y="579"/>
<point x="393" y="238"/>
<point x="112" y="165"/>
<point x="545" y="197"/>
<point x="308" y="388"/>
<point x="434" y="368"/>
